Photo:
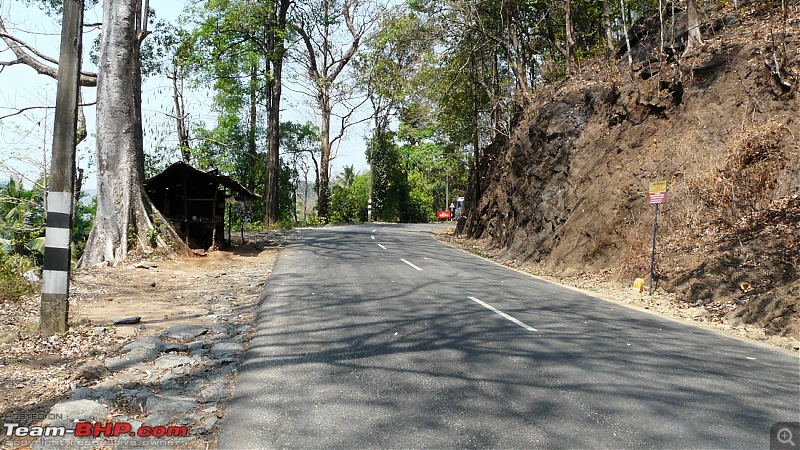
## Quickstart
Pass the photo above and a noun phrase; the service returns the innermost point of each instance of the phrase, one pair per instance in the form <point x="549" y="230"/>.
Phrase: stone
<point x="147" y="342"/>
<point x="132" y="359"/>
<point x="182" y="370"/>
<point x="90" y="371"/>
<point x="226" y="349"/>
<point x="145" y="265"/>
<point x="170" y="361"/>
<point x="209" y="422"/>
<point x="66" y="413"/>
<point x="215" y="392"/>
<point x="222" y="328"/>
<point x="194" y="346"/>
<point x="130" y="378"/>
<point x="199" y="353"/>
<point x="169" y="347"/>
<point x="166" y="377"/>
<point x="184" y="331"/>
<point x="157" y="420"/>
<point x="169" y="404"/>
<point x="7" y="338"/>
<point x="31" y="277"/>
<point x="133" y="320"/>
<point x="105" y="396"/>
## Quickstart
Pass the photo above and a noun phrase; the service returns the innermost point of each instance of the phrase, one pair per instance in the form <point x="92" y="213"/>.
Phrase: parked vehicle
<point x="459" y="207"/>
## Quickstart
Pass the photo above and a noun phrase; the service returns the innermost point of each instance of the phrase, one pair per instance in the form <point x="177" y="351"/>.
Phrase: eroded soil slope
<point x="567" y="191"/>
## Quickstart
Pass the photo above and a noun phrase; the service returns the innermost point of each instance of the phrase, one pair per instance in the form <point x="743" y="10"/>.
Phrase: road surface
<point x="379" y="336"/>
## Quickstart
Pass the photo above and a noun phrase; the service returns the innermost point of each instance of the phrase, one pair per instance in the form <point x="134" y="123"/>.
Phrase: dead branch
<point x="28" y="55"/>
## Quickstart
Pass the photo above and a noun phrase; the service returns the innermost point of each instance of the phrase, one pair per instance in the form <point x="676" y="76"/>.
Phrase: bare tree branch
<point x="28" y="55"/>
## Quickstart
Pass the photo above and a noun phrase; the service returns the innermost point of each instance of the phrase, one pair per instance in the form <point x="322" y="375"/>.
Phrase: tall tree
<point x="386" y="70"/>
<point x="276" y="51"/>
<point x="247" y="39"/>
<point x="125" y="214"/>
<point x="331" y="32"/>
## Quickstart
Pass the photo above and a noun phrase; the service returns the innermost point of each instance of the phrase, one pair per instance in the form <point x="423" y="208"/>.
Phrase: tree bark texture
<point x="277" y="44"/>
<point x="693" y="18"/>
<point x="123" y="209"/>
<point x="607" y="26"/>
<point x="570" y="44"/>
<point x="323" y="190"/>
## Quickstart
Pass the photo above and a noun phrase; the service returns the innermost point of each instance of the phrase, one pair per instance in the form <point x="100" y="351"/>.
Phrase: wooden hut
<point x="194" y="201"/>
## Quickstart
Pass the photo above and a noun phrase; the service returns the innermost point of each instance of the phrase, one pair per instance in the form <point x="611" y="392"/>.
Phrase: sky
<point x="26" y="139"/>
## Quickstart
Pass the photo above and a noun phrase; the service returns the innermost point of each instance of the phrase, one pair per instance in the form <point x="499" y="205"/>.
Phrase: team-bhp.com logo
<point x="88" y="429"/>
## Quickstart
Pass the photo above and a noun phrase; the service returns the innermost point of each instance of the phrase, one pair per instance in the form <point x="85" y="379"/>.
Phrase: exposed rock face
<point x="567" y="190"/>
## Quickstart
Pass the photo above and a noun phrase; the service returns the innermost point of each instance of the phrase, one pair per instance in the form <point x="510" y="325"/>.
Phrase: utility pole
<point x="60" y="204"/>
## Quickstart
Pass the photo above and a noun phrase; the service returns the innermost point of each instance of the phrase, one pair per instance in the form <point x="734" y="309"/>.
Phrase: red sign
<point x="443" y="214"/>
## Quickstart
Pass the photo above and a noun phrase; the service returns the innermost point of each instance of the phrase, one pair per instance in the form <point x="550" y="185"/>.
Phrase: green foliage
<point x="12" y="284"/>
<point x="82" y="225"/>
<point x="349" y="202"/>
<point x="21" y="232"/>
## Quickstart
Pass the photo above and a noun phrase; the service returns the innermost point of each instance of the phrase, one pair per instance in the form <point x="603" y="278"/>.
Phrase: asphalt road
<point x="382" y="337"/>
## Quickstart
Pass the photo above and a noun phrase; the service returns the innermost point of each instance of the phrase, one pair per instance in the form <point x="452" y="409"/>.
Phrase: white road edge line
<point x="411" y="264"/>
<point x="492" y="308"/>
<point x="381" y="246"/>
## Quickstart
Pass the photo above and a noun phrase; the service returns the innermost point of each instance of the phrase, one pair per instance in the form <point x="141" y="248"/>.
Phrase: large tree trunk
<point x="272" y="196"/>
<point x="695" y="38"/>
<point x="276" y="43"/>
<point x="124" y="211"/>
<point x="323" y="191"/>
<point x="570" y="44"/>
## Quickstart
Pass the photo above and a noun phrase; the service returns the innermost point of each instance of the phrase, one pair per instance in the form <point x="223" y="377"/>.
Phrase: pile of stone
<point x="180" y="377"/>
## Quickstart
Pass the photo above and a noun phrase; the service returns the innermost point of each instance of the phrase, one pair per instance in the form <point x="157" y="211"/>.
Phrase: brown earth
<point x="565" y="194"/>
<point x="38" y="372"/>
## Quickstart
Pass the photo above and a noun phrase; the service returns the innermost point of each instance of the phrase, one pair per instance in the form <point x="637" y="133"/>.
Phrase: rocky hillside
<point x="567" y="190"/>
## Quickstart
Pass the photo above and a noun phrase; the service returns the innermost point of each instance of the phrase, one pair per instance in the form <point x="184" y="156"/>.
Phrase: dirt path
<point x="38" y="372"/>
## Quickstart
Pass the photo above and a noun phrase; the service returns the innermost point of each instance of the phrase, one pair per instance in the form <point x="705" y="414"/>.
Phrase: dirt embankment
<point x="566" y="193"/>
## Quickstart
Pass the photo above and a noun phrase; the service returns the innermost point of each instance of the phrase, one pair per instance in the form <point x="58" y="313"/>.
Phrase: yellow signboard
<point x="658" y="186"/>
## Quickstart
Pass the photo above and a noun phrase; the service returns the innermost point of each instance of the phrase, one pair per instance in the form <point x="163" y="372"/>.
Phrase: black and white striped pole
<point x="60" y="197"/>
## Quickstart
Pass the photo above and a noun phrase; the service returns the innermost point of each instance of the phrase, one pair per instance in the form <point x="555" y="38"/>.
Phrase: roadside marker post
<point x="54" y="307"/>
<point x="656" y="195"/>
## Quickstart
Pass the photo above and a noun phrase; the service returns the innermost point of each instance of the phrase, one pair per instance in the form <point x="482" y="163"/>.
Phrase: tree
<point x="300" y="144"/>
<point x="124" y="210"/>
<point x="241" y="36"/>
<point x="331" y="32"/>
<point x="125" y="214"/>
<point x="346" y="178"/>
<point x="695" y="38"/>
<point x="387" y="70"/>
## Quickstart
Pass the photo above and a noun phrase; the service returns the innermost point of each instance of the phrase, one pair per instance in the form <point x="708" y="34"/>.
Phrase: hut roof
<point x="180" y="170"/>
